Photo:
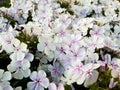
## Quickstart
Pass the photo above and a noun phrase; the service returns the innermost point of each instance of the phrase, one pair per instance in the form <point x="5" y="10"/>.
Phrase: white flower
<point x="6" y="41"/>
<point x="39" y="81"/>
<point x="98" y="31"/>
<point x="56" y="70"/>
<point x="4" y="80"/>
<point x="94" y="42"/>
<point x="47" y="46"/>
<point x="90" y="75"/>
<point x="83" y="24"/>
<point x="20" y="66"/>
<point x="77" y="52"/>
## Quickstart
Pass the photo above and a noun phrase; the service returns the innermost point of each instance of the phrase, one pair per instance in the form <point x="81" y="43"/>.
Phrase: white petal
<point x="45" y="83"/>
<point x="8" y="48"/>
<point x="6" y="76"/>
<point x="26" y="73"/>
<point x="81" y="79"/>
<point x="11" y="68"/>
<point x="1" y="73"/>
<point x="52" y="86"/>
<point x="31" y="85"/>
<point x="40" y="46"/>
<point x="25" y="64"/>
<point x="60" y="86"/>
<point x="29" y="57"/>
<point x="41" y="74"/>
<point x="38" y="87"/>
<point x="33" y="76"/>
<point x="23" y="46"/>
<point x="8" y="87"/>
<point x="18" y="88"/>
<point x="115" y="73"/>
<point x="18" y="75"/>
<point x="16" y="42"/>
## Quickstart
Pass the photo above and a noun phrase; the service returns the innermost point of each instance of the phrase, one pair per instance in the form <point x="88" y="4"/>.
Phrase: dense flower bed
<point x="60" y="45"/>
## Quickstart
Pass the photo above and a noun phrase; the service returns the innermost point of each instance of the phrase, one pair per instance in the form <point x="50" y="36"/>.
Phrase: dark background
<point x="4" y="3"/>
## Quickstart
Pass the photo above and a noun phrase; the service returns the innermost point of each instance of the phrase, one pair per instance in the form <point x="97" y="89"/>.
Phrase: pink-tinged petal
<point x="31" y="85"/>
<point x="87" y="67"/>
<point x="33" y="76"/>
<point x="115" y="73"/>
<point x="41" y="74"/>
<point x="29" y="57"/>
<point x="52" y="86"/>
<point x="45" y="83"/>
<point x="91" y="79"/>
<point x="60" y="86"/>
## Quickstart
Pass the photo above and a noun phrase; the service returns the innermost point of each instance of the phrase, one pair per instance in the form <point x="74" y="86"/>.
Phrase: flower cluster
<point x="57" y="43"/>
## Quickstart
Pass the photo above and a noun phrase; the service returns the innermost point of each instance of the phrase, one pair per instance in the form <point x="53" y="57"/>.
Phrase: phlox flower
<point x="32" y="28"/>
<point x="19" y="49"/>
<point x="98" y="31"/>
<point x="77" y="52"/>
<point x="6" y="40"/>
<point x="69" y="77"/>
<point x="83" y="24"/>
<point x="84" y="12"/>
<point x="66" y="62"/>
<point x="39" y="81"/>
<point x="91" y="57"/>
<point x="109" y="42"/>
<point x="47" y="46"/>
<point x="4" y="80"/>
<point x="61" y="51"/>
<point x="97" y="9"/>
<point x="76" y="68"/>
<point x="20" y="66"/>
<point x="74" y="39"/>
<point x="94" y="42"/>
<point x="89" y="76"/>
<point x="42" y="15"/>
<point x="64" y="19"/>
<point x="56" y="70"/>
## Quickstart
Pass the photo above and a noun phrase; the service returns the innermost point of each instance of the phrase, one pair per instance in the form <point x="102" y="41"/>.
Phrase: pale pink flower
<point x="39" y="81"/>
